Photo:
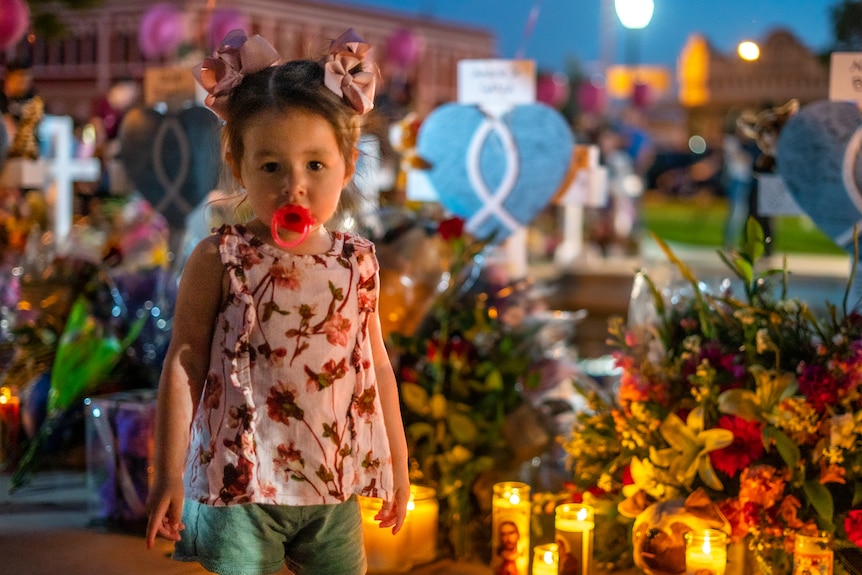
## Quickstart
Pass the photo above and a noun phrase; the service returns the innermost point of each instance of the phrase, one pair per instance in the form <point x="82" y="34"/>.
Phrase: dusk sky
<point x="566" y="29"/>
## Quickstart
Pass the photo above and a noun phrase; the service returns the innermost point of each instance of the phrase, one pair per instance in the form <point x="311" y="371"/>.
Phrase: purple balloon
<point x="223" y="21"/>
<point x="161" y="31"/>
<point x="14" y="21"/>
<point x="404" y="48"/>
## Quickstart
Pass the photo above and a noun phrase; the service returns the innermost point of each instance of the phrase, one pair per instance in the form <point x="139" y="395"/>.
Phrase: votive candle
<point x="9" y="424"/>
<point x="705" y="552"/>
<point x="422" y="513"/>
<point x="813" y="554"/>
<point x="510" y="515"/>
<point x="546" y="559"/>
<point x="574" y="525"/>
<point x="385" y="553"/>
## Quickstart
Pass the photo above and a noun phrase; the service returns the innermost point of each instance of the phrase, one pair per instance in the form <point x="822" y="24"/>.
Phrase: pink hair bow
<point x="344" y="71"/>
<point x="236" y="57"/>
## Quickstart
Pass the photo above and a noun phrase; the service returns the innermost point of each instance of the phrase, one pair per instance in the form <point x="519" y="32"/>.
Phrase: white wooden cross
<point x="63" y="170"/>
<point x="589" y="188"/>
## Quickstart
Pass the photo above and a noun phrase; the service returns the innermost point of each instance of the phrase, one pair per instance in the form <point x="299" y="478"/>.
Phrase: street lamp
<point x="634" y="15"/>
<point x="748" y="51"/>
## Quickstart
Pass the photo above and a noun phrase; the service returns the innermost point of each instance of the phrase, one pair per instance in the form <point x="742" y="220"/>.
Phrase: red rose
<point x="451" y="229"/>
<point x="853" y="526"/>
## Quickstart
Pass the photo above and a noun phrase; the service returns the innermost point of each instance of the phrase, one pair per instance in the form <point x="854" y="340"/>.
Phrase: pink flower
<point x="337" y="329"/>
<point x="285" y="277"/>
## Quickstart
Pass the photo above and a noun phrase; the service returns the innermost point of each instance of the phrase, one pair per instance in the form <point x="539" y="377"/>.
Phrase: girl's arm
<point x="393" y="512"/>
<point x="183" y="374"/>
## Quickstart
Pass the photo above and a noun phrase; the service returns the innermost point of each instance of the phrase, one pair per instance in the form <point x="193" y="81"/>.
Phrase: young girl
<point x="277" y="402"/>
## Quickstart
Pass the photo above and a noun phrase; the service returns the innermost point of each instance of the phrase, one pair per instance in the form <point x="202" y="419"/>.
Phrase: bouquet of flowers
<point x="462" y="374"/>
<point x="748" y="397"/>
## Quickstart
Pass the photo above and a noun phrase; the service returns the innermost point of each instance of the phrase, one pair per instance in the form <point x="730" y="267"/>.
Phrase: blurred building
<point x="103" y="47"/>
<point x="714" y="85"/>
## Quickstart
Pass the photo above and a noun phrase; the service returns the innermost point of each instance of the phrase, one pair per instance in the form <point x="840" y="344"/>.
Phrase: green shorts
<point x="257" y="539"/>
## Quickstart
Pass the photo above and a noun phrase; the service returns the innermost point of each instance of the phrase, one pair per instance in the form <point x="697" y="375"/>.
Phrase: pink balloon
<point x="552" y="89"/>
<point x="160" y="31"/>
<point x="14" y="21"/>
<point x="641" y="95"/>
<point x="404" y="48"/>
<point x="223" y="21"/>
<point x="591" y="98"/>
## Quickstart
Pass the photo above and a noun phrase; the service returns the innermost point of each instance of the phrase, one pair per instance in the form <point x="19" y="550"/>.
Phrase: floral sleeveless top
<point x="290" y="413"/>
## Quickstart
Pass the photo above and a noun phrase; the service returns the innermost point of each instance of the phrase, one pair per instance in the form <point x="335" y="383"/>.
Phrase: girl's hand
<point x="393" y="513"/>
<point x="165" y="506"/>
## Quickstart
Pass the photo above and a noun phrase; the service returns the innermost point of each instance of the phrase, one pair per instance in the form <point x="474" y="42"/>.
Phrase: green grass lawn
<point x="698" y="221"/>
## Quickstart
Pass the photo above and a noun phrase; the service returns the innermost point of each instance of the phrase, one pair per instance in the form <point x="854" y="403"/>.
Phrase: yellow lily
<point x="690" y="444"/>
<point x="647" y="478"/>
<point x="771" y="388"/>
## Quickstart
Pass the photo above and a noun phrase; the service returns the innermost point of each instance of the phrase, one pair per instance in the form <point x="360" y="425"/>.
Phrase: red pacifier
<point x="294" y="219"/>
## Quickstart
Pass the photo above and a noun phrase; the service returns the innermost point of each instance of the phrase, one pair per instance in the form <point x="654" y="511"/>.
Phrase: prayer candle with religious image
<point x="813" y="555"/>
<point x="422" y="513"/>
<point x="574" y="525"/>
<point x="9" y="425"/>
<point x="510" y="520"/>
<point x="546" y="559"/>
<point x="705" y="552"/>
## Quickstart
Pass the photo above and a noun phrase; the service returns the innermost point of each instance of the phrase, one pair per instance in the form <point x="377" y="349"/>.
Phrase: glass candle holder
<point x="423" y="511"/>
<point x="510" y="513"/>
<point x="813" y="554"/>
<point x="9" y="425"/>
<point x="574" y="525"/>
<point x="705" y="552"/>
<point x="546" y="559"/>
<point x="386" y="553"/>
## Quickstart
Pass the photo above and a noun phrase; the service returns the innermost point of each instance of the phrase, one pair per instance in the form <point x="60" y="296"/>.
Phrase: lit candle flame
<point x="582" y="515"/>
<point x="514" y="499"/>
<point x="549" y="557"/>
<point x="707" y="549"/>
<point x="5" y="394"/>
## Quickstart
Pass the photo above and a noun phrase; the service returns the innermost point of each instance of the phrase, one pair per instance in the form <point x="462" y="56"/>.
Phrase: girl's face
<point x="292" y="158"/>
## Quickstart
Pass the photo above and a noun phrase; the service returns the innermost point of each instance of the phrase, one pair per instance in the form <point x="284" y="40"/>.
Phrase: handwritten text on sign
<point x="497" y="84"/>
<point x="845" y="77"/>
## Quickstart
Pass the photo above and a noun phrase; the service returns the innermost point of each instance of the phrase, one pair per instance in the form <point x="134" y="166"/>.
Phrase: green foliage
<point x="48" y="17"/>
<point x="847" y="25"/>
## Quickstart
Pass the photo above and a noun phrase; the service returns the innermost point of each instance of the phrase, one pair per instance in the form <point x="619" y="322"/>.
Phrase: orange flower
<point x="787" y="511"/>
<point x="762" y="485"/>
<point x="831" y="473"/>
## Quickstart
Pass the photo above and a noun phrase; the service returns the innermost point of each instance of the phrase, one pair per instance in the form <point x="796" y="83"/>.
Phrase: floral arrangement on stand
<point x="462" y="374"/>
<point x="747" y="398"/>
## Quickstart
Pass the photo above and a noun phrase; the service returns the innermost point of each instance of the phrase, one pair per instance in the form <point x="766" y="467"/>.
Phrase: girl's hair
<point x="294" y="85"/>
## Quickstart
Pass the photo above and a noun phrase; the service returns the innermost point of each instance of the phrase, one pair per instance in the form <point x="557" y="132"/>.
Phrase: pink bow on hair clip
<point x="345" y="74"/>
<point x="236" y="57"/>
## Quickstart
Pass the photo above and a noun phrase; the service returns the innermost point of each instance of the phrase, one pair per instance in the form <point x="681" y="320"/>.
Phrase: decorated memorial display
<point x="729" y="444"/>
<point x="736" y="411"/>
